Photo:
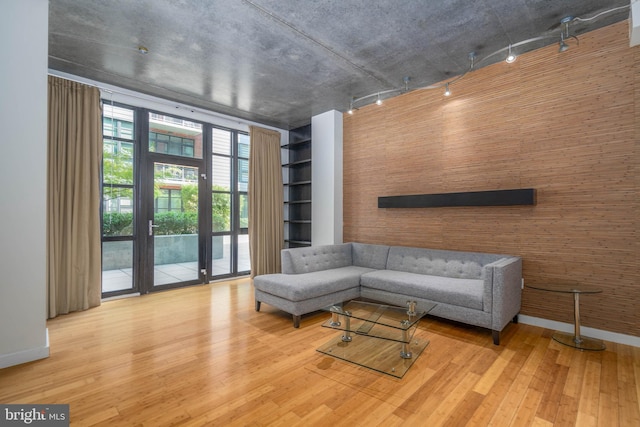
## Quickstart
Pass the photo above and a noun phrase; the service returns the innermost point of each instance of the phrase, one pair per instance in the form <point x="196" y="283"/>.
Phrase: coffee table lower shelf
<point x="380" y="355"/>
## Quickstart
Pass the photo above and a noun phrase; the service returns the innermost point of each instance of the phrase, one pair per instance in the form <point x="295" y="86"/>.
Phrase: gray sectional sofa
<point x="479" y="289"/>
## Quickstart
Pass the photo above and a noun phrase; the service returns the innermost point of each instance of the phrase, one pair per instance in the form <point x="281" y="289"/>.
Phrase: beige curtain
<point x="266" y="218"/>
<point x="73" y="197"/>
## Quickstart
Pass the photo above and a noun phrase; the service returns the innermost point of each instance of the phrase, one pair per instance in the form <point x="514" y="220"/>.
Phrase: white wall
<point x="326" y="178"/>
<point x="23" y="168"/>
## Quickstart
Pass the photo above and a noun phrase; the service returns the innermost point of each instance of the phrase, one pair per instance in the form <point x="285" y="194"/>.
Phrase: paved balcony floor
<point x="121" y="279"/>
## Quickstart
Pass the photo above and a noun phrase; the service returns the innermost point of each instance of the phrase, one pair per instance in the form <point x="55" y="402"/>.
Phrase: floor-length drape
<point x="266" y="218"/>
<point x="73" y="197"/>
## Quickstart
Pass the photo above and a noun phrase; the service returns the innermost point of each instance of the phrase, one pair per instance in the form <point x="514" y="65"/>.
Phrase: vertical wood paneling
<point x="565" y="124"/>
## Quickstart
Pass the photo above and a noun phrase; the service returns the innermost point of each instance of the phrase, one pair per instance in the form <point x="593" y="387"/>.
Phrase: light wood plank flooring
<point x="203" y="356"/>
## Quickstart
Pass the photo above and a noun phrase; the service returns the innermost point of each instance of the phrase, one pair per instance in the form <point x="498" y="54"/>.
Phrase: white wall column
<point x="326" y="178"/>
<point x="23" y="172"/>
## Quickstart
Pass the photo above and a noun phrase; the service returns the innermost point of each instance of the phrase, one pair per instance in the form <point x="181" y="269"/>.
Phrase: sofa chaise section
<point x="316" y="277"/>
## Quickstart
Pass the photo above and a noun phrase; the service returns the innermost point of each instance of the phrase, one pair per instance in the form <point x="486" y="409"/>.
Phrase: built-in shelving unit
<point x="296" y="156"/>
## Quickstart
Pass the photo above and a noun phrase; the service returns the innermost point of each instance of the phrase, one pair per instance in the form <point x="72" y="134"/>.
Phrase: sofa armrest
<point x="506" y="291"/>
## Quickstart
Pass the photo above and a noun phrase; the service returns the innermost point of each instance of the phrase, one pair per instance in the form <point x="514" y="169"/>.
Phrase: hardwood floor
<point x="203" y="356"/>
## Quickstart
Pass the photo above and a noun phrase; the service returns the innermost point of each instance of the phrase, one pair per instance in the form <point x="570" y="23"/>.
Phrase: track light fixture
<point x="564" y="34"/>
<point x="563" y="46"/>
<point x="511" y="57"/>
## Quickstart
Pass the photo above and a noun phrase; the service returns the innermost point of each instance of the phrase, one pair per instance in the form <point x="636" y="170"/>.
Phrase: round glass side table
<point x="575" y="340"/>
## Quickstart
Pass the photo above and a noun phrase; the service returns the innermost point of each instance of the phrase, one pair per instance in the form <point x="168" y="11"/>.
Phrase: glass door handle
<point x="151" y="227"/>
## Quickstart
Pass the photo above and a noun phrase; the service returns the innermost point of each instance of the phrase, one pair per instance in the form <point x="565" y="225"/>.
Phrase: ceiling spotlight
<point x="472" y="60"/>
<point x="564" y="33"/>
<point x="563" y="46"/>
<point x="379" y="101"/>
<point x="447" y="92"/>
<point x="143" y="50"/>
<point x="511" y="58"/>
<point x="406" y="81"/>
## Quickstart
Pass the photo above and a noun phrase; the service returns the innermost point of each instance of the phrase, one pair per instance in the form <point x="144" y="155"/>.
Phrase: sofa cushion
<point x="370" y="256"/>
<point x="460" y="265"/>
<point x="448" y="290"/>
<point x="316" y="258"/>
<point x="300" y="287"/>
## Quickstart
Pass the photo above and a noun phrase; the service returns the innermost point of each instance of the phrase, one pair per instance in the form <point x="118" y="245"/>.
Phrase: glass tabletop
<point x="376" y="320"/>
<point x="569" y="288"/>
<point x="381" y="314"/>
<point x="377" y="336"/>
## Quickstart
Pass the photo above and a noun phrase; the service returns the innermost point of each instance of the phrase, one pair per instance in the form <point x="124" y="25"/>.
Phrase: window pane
<point x="244" y="211"/>
<point x="221" y="211"/>
<point x="221" y="173"/>
<point x="221" y="141"/>
<point x="220" y="255"/>
<point x="172" y="135"/>
<point x="117" y="211"/>
<point x="243" y="145"/>
<point x="117" y="162"/>
<point x="244" y="262"/>
<point x="117" y="266"/>
<point x="243" y="174"/>
<point x="117" y="122"/>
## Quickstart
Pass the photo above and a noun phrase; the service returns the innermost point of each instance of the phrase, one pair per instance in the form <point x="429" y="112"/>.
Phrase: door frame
<point x="144" y="256"/>
<point x="143" y="203"/>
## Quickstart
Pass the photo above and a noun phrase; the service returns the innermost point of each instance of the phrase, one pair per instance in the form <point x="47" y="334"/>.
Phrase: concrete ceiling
<point x="279" y="62"/>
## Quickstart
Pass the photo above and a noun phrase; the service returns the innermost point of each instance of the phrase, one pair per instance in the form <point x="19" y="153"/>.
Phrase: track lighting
<point x="564" y="34"/>
<point x="511" y="57"/>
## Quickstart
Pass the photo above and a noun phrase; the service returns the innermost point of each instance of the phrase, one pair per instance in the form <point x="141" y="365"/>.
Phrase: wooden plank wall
<point x="565" y="124"/>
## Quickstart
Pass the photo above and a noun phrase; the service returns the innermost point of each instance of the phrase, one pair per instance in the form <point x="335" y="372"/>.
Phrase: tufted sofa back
<point x="370" y="256"/>
<point x="460" y="265"/>
<point x="316" y="258"/>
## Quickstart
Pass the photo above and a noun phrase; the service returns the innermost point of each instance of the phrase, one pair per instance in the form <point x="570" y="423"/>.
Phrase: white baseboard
<point x="586" y="331"/>
<point x="25" y="356"/>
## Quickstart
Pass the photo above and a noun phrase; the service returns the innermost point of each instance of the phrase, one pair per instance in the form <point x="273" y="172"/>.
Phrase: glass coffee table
<point x="377" y="336"/>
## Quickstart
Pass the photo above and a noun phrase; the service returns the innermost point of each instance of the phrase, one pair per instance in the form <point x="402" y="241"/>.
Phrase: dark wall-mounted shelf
<point x="297" y="187"/>
<point x="524" y="196"/>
